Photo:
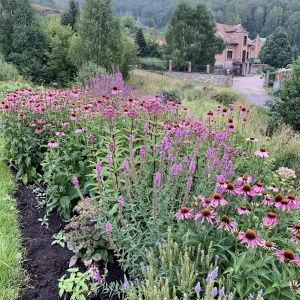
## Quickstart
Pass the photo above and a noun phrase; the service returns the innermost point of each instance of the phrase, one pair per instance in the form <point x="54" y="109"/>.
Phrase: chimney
<point x="257" y="46"/>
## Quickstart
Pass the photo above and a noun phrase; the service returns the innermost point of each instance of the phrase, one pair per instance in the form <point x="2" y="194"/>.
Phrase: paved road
<point x="251" y="87"/>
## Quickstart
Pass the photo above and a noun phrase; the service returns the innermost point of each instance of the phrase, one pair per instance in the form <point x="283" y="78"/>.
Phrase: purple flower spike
<point x="198" y="287"/>
<point x="75" y="182"/>
<point x="108" y="228"/>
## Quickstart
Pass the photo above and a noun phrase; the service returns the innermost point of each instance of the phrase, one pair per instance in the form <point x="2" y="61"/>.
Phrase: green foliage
<point x="128" y="22"/>
<point x="8" y="71"/>
<point x="27" y="41"/>
<point x="141" y="43"/>
<point x="191" y="36"/>
<point x="130" y="58"/>
<point x="277" y="49"/>
<point x="99" y="37"/>
<point x="284" y="106"/>
<point x="150" y="63"/>
<point x="59" y="67"/>
<point x="69" y="17"/>
<point x="88" y="71"/>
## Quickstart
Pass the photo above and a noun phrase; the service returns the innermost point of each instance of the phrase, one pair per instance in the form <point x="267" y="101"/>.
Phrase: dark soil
<point x="46" y="263"/>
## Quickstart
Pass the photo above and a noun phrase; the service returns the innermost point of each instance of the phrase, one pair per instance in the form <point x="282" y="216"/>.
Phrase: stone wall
<point x="222" y="80"/>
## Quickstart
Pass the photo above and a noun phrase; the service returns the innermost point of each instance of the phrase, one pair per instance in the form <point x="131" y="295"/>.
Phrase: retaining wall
<point x="222" y="80"/>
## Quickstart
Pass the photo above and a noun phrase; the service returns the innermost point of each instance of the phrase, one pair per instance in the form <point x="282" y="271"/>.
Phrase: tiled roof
<point x="227" y="32"/>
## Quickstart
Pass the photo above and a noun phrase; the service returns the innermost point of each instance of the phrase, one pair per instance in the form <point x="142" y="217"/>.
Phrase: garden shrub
<point x="88" y="71"/>
<point x="150" y="63"/>
<point x="8" y="71"/>
<point x="224" y="95"/>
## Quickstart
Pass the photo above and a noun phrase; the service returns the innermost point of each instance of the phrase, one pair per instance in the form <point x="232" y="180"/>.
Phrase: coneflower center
<point x="291" y="197"/>
<point x="245" y="177"/>
<point x="297" y="236"/>
<point x="278" y="197"/>
<point x="205" y="212"/>
<point x="243" y="207"/>
<point x="115" y="88"/>
<point x="52" y="141"/>
<point x="271" y="214"/>
<point x="225" y="219"/>
<point x="217" y="196"/>
<point x="260" y="184"/>
<point x="246" y="187"/>
<point x="289" y="254"/>
<point x="207" y="200"/>
<point x="263" y="150"/>
<point x="184" y="209"/>
<point x="297" y="226"/>
<point x="250" y="234"/>
<point x="230" y="187"/>
<point x="284" y="201"/>
<point x="269" y="244"/>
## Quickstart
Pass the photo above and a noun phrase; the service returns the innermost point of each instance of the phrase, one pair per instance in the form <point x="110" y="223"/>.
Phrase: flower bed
<point x="189" y="209"/>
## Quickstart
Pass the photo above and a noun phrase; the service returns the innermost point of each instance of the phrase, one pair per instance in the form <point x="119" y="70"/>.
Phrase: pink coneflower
<point x="295" y="228"/>
<point x="73" y="117"/>
<point x="231" y="128"/>
<point x="79" y="129"/>
<point x="244" y="121"/>
<point x="262" y="152"/>
<point x="251" y="139"/>
<point x="52" y="144"/>
<point x="268" y="200"/>
<point x="206" y="214"/>
<point x="218" y="109"/>
<point x="243" y="179"/>
<point x="60" y="132"/>
<point x="184" y="213"/>
<point x="64" y="123"/>
<point x="38" y="129"/>
<point x="273" y="188"/>
<point x="209" y="115"/>
<point x="230" y="122"/>
<point x="270" y="218"/>
<point x="296" y="239"/>
<point x="293" y="201"/>
<point x="32" y="124"/>
<point x="284" y="204"/>
<point x="229" y="188"/>
<point x="217" y="199"/>
<point x="225" y="223"/>
<point x="258" y="187"/>
<point x="287" y="256"/>
<point x="224" y="111"/>
<point x="206" y="202"/>
<point x="41" y="121"/>
<point x="251" y="238"/>
<point x="242" y="210"/>
<point x="267" y="245"/>
<point x="243" y="111"/>
<point x="245" y="190"/>
<point x="115" y="90"/>
<point x="21" y="116"/>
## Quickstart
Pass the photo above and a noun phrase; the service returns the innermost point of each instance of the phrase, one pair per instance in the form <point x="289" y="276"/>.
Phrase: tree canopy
<point x="277" y="50"/>
<point x="191" y="36"/>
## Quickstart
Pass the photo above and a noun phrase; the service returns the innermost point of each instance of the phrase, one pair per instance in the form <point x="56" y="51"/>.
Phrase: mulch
<point x="46" y="263"/>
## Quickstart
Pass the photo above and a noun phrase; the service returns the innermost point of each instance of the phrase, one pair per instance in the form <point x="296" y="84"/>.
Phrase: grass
<point x="11" y="254"/>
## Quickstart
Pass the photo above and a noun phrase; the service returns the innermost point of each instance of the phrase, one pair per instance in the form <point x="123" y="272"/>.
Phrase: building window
<point x="229" y="54"/>
<point x="245" y="40"/>
<point x="247" y="55"/>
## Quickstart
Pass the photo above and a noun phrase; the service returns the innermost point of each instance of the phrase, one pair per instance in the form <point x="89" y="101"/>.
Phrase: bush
<point x="88" y="71"/>
<point x="224" y="95"/>
<point x="153" y="64"/>
<point x="8" y="71"/>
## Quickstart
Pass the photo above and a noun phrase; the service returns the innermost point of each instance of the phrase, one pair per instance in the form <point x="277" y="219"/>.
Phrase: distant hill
<point x="46" y="6"/>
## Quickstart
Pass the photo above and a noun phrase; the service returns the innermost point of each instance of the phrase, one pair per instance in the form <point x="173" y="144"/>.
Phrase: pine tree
<point x="27" y="41"/>
<point x="277" y="50"/>
<point x="191" y="36"/>
<point x="70" y="16"/>
<point x="141" y="43"/>
<point x="99" y="38"/>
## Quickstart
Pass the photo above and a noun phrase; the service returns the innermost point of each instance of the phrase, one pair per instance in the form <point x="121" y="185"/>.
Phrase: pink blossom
<point x="94" y="271"/>
<point x="79" y="129"/>
<point x="108" y="228"/>
<point x="157" y="179"/>
<point x="225" y="223"/>
<point x="243" y="111"/>
<point x="121" y="201"/>
<point x="296" y="239"/>
<point x="251" y="238"/>
<point x="75" y="182"/>
<point x="88" y="262"/>
<point x="217" y="200"/>
<point x="258" y="187"/>
<point x="184" y="213"/>
<point x="242" y="210"/>
<point x="270" y="218"/>
<point x="295" y="228"/>
<point x="52" y="144"/>
<point x="287" y="256"/>
<point x="262" y="152"/>
<point x="206" y="214"/>
<point x="176" y="170"/>
<point x="245" y="190"/>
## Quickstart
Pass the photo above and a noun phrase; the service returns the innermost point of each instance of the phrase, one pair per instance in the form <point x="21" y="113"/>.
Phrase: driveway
<point x="251" y="87"/>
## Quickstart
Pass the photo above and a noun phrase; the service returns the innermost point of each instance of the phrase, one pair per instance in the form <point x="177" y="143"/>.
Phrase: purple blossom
<point x="189" y="183"/>
<point x="154" y="148"/>
<point x="109" y="159"/>
<point x="157" y="179"/>
<point x="126" y="283"/>
<point x="94" y="271"/>
<point x="176" y="170"/>
<point x="98" y="170"/>
<point x="185" y="160"/>
<point x="210" y="153"/>
<point x="165" y="144"/>
<point x="110" y="113"/>
<point x="125" y="165"/>
<point x="147" y="127"/>
<point x="121" y="201"/>
<point x="198" y="287"/>
<point x="131" y="138"/>
<point x="214" y="292"/>
<point x="192" y="167"/>
<point x="142" y="152"/>
<point x="222" y="292"/>
<point x="75" y="182"/>
<point x="170" y="157"/>
<point x="214" y="273"/>
<point x="108" y="228"/>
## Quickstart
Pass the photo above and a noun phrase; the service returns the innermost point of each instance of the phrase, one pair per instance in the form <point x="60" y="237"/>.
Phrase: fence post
<point x="190" y="67"/>
<point x="207" y="69"/>
<point x="170" y="65"/>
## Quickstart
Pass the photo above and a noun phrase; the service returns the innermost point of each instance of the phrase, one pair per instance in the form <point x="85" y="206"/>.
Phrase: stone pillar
<point x="247" y="69"/>
<point x="207" y="69"/>
<point x="190" y="67"/>
<point x="170" y="65"/>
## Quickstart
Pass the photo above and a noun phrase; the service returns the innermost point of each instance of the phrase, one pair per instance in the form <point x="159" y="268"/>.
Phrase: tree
<point x="285" y="106"/>
<point x="191" y="33"/>
<point x="141" y="43"/>
<point x="26" y="40"/>
<point x="69" y="17"/>
<point x="98" y="38"/>
<point x="277" y="49"/>
<point x="59" y="67"/>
